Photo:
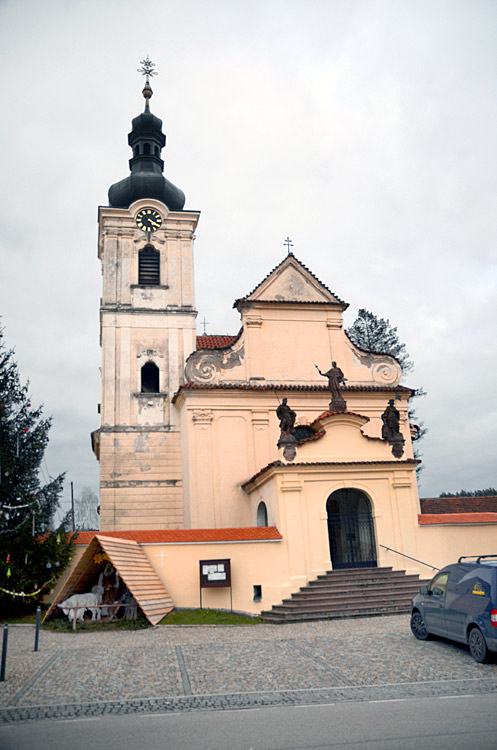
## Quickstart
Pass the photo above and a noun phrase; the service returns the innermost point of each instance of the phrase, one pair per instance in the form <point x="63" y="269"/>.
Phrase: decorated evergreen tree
<point x="32" y="553"/>
<point x="377" y="335"/>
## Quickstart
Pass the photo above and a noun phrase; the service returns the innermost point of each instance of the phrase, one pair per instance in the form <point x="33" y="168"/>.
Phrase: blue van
<point x="460" y="603"/>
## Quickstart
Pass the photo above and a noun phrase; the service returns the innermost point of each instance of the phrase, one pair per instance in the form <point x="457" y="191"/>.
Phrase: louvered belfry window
<point x="149" y="266"/>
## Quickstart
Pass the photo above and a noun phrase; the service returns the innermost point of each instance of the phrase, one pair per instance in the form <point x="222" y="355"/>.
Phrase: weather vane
<point x="147" y="69"/>
<point x="288" y="244"/>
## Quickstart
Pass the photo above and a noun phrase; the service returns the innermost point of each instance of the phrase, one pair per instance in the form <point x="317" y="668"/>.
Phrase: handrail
<point x="433" y="567"/>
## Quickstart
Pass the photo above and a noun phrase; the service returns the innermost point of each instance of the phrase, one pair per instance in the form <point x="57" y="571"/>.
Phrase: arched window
<point x="149" y="266"/>
<point x="262" y="514"/>
<point x="150" y="378"/>
<point x="157" y="151"/>
<point x="146" y="148"/>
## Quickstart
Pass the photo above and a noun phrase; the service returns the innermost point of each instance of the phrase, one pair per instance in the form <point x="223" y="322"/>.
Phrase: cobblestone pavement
<point x="172" y="668"/>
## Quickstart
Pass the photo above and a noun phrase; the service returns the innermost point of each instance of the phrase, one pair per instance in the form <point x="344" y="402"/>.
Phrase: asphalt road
<point x="455" y="722"/>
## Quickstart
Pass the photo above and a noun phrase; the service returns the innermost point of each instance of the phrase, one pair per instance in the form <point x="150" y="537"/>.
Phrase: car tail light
<point x="493" y="617"/>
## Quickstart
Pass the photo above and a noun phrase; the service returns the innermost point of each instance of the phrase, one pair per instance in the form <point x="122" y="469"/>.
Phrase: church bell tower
<point x="147" y="324"/>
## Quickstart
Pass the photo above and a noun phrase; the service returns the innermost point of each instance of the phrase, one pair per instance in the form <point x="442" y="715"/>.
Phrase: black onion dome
<point x="146" y="179"/>
<point x="147" y="122"/>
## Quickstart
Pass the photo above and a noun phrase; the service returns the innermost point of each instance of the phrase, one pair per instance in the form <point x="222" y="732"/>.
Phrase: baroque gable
<point x="291" y="281"/>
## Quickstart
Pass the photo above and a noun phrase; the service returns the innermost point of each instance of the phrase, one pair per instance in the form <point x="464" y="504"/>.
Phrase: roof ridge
<point x="243" y="385"/>
<point x="278" y="464"/>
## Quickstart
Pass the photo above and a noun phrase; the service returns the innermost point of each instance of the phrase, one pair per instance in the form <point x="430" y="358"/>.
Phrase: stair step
<point x="344" y="599"/>
<point x="349" y="593"/>
<point x="357" y="588"/>
<point x="273" y="617"/>
<point x="359" y="575"/>
<point x="344" y="604"/>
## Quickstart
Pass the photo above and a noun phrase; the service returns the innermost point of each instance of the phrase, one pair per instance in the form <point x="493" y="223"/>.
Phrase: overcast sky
<point x="363" y="129"/>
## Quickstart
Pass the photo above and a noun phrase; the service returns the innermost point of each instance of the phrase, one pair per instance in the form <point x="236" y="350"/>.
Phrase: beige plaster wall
<point x="444" y="544"/>
<point x="252" y="563"/>
<point x="284" y="343"/>
<point x="228" y="436"/>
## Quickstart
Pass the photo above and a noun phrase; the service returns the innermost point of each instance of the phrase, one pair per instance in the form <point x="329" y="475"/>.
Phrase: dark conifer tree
<point x="32" y="553"/>
<point x="377" y="335"/>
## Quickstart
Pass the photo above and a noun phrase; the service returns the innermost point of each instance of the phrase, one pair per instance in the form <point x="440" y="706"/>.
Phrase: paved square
<point x="178" y="668"/>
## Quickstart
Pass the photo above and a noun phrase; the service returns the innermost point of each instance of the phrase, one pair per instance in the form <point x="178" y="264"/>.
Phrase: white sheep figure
<point x="77" y="604"/>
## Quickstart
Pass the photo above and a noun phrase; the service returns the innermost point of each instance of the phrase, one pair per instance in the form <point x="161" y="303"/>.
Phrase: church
<point x="245" y="467"/>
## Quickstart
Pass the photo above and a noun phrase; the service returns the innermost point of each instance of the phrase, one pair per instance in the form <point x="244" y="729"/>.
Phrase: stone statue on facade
<point x="336" y="379"/>
<point x="390" y="430"/>
<point x="287" y="418"/>
<point x="287" y="440"/>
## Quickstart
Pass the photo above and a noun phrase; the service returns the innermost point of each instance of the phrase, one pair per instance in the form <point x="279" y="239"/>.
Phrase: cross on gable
<point x="288" y="244"/>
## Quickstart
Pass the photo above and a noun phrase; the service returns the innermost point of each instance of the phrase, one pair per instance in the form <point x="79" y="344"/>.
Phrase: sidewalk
<point x="184" y="668"/>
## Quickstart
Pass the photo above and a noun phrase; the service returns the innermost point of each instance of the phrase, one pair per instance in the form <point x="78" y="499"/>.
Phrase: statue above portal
<point x="390" y="430"/>
<point x="391" y="421"/>
<point x="335" y="379"/>
<point x="287" y="439"/>
<point x="287" y="418"/>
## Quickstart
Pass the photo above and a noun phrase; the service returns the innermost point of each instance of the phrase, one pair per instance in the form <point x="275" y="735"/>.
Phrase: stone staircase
<point x="351" y="592"/>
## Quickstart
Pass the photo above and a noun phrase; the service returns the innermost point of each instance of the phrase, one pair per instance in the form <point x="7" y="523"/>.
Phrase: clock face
<point x="148" y="220"/>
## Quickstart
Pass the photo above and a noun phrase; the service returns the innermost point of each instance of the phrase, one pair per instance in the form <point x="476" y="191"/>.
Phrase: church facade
<point x="197" y="459"/>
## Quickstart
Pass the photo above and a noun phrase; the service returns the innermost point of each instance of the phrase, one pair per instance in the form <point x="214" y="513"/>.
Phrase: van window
<point x="439" y="584"/>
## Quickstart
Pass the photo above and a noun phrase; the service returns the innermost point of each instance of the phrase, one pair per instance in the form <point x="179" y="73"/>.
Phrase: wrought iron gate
<point x="351" y="530"/>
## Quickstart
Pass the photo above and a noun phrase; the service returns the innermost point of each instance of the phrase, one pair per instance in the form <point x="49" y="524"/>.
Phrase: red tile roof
<point x="486" y="504"/>
<point x="178" y="536"/>
<point x="434" y="519"/>
<point x="215" y="342"/>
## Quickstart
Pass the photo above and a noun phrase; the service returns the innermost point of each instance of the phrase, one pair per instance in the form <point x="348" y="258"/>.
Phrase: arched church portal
<point x="351" y="530"/>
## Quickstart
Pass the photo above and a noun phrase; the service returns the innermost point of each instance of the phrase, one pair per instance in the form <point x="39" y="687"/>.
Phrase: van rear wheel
<point x="478" y="646"/>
